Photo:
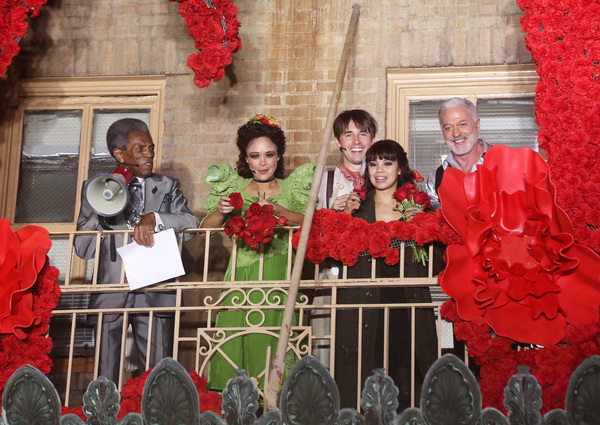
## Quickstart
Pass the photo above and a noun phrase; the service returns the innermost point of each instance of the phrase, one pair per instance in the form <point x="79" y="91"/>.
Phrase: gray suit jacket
<point x="161" y="195"/>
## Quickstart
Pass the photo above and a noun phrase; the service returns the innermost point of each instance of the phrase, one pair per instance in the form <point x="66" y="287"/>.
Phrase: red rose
<point x="282" y="220"/>
<point x="255" y="222"/>
<point x="405" y="192"/>
<point x="417" y="176"/>
<point x="269" y="221"/>
<point x="255" y="208"/>
<point x="422" y="198"/>
<point x="236" y="201"/>
<point x="267" y="209"/>
<point x="234" y="226"/>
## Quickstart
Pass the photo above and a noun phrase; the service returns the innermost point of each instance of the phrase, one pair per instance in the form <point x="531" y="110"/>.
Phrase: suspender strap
<point x="439" y="173"/>
<point x="330" y="175"/>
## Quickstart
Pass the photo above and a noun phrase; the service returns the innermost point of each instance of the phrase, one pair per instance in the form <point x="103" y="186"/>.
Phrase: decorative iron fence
<point x="449" y="396"/>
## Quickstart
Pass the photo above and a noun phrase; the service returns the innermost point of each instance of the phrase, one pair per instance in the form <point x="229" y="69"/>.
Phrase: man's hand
<point x="143" y="233"/>
<point x="340" y="203"/>
<point x="352" y="203"/>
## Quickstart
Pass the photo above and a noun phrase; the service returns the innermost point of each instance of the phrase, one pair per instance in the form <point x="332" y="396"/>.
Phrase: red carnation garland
<point x="498" y="358"/>
<point x="13" y="26"/>
<point x="344" y="238"/>
<point x="131" y="397"/>
<point x="564" y="41"/>
<point x="214" y="26"/>
<point x="35" y="348"/>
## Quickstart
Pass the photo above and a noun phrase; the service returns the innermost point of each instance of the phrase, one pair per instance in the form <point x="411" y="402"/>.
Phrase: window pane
<point x="49" y="167"/>
<point x="426" y="147"/>
<point x="508" y="121"/>
<point x="101" y="160"/>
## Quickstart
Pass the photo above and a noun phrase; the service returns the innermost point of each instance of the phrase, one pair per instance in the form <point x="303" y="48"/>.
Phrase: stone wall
<point x="286" y="68"/>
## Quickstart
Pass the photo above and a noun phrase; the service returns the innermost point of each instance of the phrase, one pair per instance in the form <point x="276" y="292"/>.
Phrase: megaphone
<point x="107" y="193"/>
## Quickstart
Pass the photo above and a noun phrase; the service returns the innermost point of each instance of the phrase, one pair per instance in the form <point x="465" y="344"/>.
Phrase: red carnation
<point x="236" y="201"/>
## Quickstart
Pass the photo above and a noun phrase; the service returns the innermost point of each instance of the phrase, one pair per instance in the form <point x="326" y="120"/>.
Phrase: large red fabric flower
<point x="520" y="268"/>
<point x="22" y="257"/>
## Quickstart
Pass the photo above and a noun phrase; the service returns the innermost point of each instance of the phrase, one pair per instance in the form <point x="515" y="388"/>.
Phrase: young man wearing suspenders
<point x="354" y="131"/>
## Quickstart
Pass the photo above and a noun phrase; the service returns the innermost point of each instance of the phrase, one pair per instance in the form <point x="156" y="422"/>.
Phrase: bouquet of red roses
<point x="411" y="199"/>
<point x="257" y="224"/>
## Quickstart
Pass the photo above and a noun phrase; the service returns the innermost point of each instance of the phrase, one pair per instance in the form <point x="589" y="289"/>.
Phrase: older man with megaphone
<point x="131" y="197"/>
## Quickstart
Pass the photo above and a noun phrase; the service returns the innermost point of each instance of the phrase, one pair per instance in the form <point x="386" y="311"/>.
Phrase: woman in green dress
<point x="258" y="177"/>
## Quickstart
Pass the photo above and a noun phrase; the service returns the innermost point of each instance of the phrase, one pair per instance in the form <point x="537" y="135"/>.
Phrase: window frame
<point x="471" y="82"/>
<point x="88" y="94"/>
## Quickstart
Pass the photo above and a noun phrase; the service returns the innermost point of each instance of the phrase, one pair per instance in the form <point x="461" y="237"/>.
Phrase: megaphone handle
<point x="113" y="246"/>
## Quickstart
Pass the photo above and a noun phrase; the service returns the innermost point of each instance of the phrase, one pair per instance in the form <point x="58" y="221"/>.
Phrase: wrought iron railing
<point x="449" y="396"/>
<point x="199" y="296"/>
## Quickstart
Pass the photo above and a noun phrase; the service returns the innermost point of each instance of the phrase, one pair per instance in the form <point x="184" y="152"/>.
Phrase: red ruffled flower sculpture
<point x="22" y="257"/>
<point x="520" y="268"/>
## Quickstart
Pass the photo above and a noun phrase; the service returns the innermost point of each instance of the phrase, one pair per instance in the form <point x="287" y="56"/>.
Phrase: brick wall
<point x="286" y="68"/>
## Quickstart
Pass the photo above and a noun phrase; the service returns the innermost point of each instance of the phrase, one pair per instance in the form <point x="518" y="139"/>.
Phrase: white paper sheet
<point x="145" y="266"/>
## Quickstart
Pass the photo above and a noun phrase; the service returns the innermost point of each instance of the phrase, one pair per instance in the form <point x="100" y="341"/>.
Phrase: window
<point x="504" y="96"/>
<point x="56" y="140"/>
<point x="59" y="140"/>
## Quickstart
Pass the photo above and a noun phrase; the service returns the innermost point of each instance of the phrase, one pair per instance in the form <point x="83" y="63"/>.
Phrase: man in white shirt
<point x="460" y="125"/>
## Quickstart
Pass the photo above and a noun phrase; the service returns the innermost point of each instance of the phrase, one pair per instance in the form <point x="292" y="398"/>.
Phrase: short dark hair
<point x="390" y="150"/>
<point x="362" y="119"/>
<point x="118" y="132"/>
<point x="252" y="130"/>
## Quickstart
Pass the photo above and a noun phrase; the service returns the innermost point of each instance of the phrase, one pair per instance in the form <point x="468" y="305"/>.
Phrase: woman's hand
<point x="223" y="206"/>
<point x="352" y="203"/>
<point x="410" y="212"/>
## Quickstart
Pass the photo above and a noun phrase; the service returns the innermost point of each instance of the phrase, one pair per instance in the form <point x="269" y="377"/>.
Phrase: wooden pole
<point x="273" y="385"/>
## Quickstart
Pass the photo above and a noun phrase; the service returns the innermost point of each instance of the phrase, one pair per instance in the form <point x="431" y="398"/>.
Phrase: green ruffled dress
<point x="249" y="351"/>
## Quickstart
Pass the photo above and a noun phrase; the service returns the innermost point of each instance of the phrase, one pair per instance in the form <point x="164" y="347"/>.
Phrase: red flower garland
<point x="498" y="358"/>
<point x="342" y="237"/>
<point x="564" y="41"/>
<point x="131" y="397"/>
<point x="214" y="26"/>
<point x="35" y="348"/>
<point x="13" y="26"/>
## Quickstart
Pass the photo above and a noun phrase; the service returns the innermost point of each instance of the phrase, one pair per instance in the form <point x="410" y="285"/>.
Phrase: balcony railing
<point x="198" y="300"/>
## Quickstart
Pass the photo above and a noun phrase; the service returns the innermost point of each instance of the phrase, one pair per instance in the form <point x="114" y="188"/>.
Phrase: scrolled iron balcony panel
<point x="449" y="396"/>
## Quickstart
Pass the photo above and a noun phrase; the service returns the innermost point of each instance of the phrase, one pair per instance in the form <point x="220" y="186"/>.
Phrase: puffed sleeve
<point x="223" y="180"/>
<point x="297" y="186"/>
